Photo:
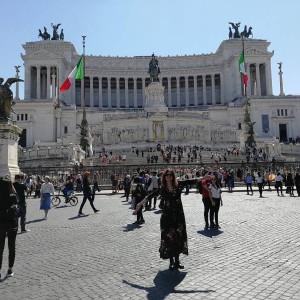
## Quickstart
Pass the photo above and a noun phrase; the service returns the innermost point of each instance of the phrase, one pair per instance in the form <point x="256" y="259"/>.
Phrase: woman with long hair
<point x="8" y="225"/>
<point x="172" y="222"/>
<point x="87" y="193"/>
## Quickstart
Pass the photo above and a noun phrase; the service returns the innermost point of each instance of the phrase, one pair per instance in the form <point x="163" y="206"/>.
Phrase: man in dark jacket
<point x="21" y="188"/>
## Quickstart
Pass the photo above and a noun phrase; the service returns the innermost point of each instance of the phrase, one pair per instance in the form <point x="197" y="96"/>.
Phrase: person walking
<point x="297" y="183"/>
<point x="207" y="199"/>
<point x="248" y="181"/>
<point x="8" y="225"/>
<point x="21" y="188"/>
<point x="290" y="184"/>
<point x="215" y="189"/>
<point x="172" y="222"/>
<point x="259" y="181"/>
<point x="87" y="193"/>
<point x="278" y="183"/>
<point x="139" y="193"/>
<point x="47" y="189"/>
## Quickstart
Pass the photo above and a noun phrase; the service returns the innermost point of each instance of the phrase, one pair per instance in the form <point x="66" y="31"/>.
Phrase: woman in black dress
<point x="172" y="222"/>
<point x="8" y="225"/>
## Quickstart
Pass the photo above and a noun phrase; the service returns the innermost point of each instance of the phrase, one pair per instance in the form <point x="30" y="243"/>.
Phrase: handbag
<point x="15" y="211"/>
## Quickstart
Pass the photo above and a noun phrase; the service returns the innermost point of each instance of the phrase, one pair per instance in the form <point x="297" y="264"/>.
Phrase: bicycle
<point x="71" y="198"/>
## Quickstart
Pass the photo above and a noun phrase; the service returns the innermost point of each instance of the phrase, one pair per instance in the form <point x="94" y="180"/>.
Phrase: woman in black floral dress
<point x="172" y="222"/>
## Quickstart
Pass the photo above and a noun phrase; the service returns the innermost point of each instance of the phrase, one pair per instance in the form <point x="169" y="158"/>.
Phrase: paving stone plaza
<point x="255" y="254"/>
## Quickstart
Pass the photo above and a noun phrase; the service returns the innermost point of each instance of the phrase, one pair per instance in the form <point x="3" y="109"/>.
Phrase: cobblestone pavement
<point x="255" y="255"/>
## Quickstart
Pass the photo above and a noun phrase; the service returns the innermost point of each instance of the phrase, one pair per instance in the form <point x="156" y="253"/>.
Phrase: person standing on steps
<point x="172" y="222"/>
<point x="87" y="193"/>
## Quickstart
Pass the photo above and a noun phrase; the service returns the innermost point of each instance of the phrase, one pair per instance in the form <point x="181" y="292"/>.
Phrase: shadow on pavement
<point x="35" y="221"/>
<point x="131" y="227"/>
<point x="78" y="217"/>
<point x="210" y="233"/>
<point x="164" y="285"/>
<point x="62" y="206"/>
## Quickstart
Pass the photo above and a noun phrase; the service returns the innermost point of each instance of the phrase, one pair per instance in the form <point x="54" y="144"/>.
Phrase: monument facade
<point x="190" y="98"/>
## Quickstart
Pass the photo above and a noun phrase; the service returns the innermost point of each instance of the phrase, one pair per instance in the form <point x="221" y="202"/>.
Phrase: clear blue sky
<point x="165" y="27"/>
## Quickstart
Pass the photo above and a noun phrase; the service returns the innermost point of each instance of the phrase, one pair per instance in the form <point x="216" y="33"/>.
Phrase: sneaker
<point x="45" y="218"/>
<point x="25" y="230"/>
<point x="81" y="214"/>
<point x="10" y="273"/>
<point x="97" y="210"/>
<point x="206" y="227"/>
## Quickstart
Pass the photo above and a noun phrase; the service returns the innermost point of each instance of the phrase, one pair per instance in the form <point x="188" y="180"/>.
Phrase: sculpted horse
<point x="44" y="35"/>
<point x="6" y="97"/>
<point x="154" y="69"/>
<point x="55" y="35"/>
<point x="246" y="33"/>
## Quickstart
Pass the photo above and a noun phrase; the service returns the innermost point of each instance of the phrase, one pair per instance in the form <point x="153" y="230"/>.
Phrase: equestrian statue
<point x="154" y="69"/>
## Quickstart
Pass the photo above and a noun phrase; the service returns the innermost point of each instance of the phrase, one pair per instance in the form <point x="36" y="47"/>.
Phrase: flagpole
<point x="83" y="55"/>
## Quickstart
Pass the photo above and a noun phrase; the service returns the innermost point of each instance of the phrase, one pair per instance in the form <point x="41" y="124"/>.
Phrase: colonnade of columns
<point x="129" y="92"/>
<point x="180" y="91"/>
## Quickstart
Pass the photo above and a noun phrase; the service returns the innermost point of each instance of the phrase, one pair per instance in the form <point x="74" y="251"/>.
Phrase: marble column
<point x="195" y="90"/>
<point x="82" y="93"/>
<point x="126" y="93"/>
<point x="178" y="90"/>
<point x="204" y="89"/>
<point x="281" y="83"/>
<point x="143" y="91"/>
<point x="53" y="76"/>
<point x="100" y="92"/>
<point x="213" y="89"/>
<point x="38" y="82"/>
<point x="258" y="89"/>
<point x="169" y="93"/>
<point x="118" y="92"/>
<point x="27" y="82"/>
<point x="134" y="92"/>
<point x="269" y="79"/>
<point x="48" y="81"/>
<point x="109" y="92"/>
<point x="91" y="91"/>
<point x="187" y="98"/>
<point x="222" y="84"/>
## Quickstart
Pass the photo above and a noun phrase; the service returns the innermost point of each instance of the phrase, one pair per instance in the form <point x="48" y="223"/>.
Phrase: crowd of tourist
<point x="145" y="189"/>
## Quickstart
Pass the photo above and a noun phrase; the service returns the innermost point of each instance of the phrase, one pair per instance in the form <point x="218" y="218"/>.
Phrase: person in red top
<point x="207" y="199"/>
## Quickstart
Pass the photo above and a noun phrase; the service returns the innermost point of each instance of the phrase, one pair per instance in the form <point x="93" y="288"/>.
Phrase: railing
<point x="105" y="171"/>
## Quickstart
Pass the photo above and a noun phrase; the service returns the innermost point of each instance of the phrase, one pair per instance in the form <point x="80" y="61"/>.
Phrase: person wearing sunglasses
<point x="172" y="222"/>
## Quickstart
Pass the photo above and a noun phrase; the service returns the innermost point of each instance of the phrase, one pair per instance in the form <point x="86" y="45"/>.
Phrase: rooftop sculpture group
<point x="236" y="34"/>
<point x="55" y="36"/>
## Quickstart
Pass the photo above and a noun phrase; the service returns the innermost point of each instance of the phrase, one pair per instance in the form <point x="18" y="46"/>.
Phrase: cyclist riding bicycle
<point x="68" y="188"/>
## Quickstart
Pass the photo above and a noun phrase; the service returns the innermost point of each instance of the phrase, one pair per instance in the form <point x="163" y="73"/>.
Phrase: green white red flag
<point x="76" y="73"/>
<point x="242" y="68"/>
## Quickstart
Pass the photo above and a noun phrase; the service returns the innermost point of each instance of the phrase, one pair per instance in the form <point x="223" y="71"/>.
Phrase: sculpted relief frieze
<point x="188" y="133"/>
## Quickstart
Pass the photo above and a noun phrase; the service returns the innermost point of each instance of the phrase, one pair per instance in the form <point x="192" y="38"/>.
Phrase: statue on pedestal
<point x="6" y="97"/>
<point x="154" y="69"/>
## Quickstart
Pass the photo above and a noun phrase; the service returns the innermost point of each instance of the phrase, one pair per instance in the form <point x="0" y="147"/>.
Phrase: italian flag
<point x="76" y="73"/>
<point x="242" y="68"/>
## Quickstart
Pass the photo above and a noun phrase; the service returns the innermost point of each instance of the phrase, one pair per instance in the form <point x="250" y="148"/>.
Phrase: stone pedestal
<point x="9" y="136"/>
<point x="155" y="101"/>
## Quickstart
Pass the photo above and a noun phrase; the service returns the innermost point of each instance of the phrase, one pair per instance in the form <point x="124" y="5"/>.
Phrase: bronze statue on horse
<point x="154" y="69"/>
